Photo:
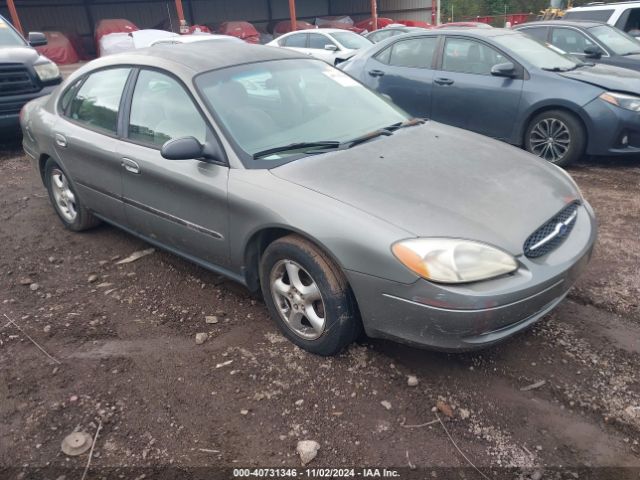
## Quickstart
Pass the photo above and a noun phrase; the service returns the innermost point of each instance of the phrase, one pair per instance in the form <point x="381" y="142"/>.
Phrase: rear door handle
<point x="61" y="141"/>
<point x="130" y="166"/>
<point x="444" y="81"/>
<point x="376" y="73"/>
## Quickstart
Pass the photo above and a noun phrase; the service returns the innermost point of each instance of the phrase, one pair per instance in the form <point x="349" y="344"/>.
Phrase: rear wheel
<point x="65" y="200"/>
<point x="308" y="296"/>
<point x="556" y="136"/>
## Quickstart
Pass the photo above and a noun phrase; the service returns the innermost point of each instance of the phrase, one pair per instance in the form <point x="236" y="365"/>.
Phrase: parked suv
<point x="24" y="73"/>
<point x="623" y="15"/>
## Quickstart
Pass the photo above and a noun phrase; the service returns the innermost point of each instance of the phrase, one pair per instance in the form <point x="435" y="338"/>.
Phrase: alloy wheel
<point x="550" y="139"/>
<point x="298" y="299"/>
<point x="64" y="198"/>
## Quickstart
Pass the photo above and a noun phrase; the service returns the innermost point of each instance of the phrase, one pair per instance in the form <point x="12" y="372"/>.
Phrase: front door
<point x="180" y="203"/>
<point x="86" y="141"/>
<point x="467" y="95"/>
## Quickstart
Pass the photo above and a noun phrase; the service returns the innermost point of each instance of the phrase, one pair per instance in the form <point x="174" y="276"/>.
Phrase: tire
<point x="289" y="300"/>
<point x="566" y="131"/>
<point x="65" y="200"/>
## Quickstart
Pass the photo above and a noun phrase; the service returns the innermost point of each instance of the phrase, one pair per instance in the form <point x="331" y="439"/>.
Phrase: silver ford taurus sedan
<point x="293" y="179"/>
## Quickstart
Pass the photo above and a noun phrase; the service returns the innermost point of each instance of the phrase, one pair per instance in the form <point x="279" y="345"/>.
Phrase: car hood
<point x="607" y="77"/>
<point x="436" y="180"/>
<point x="26" y="55"/>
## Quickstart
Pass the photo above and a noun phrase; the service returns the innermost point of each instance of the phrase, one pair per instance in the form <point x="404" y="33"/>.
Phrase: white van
<point x="623" y="15"/>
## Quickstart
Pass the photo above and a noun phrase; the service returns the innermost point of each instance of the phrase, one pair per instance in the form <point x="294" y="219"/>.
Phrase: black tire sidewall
<point x="576" y="131"/>
<point x="340" y="321"/>
<point x="83" y="219"/>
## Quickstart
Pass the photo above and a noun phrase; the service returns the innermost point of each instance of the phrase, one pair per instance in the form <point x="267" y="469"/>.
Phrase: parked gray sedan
<point x="290" y="177"/>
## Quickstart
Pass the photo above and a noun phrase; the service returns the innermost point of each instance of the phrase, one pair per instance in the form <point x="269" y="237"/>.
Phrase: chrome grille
<point x="550" y="235"/>
<point x="15" y="79"/>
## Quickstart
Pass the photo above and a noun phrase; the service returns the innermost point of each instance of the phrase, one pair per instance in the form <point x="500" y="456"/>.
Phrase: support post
<point x="374" y="14"/>
<point x="292" y="15"/>
<point x="180" y="10"/>
<point x="14" y="16"/>
<point x="434" y="10"/>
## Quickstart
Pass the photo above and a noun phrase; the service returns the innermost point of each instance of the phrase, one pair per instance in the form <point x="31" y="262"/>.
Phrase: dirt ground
<point x="125" y="339"/>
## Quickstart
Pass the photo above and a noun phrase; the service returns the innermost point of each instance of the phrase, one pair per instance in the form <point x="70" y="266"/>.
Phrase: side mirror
<point x="593" y="51"/>
<point x="506" y="69"/>
<point x="184" y="148"/>
<point x="37" y="39"/>
<point x="331" y="48"/>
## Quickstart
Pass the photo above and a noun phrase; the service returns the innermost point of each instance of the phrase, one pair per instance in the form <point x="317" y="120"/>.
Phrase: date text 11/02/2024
<point x="315" y="473"/>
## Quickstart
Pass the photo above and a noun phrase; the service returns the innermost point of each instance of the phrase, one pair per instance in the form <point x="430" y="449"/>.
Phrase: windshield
<point x="616" y="40"/>
<point x="351" y="40"/>
<point x="9" y="37"/>
<point x="536" y="53"/>
<point x="269" y="105"/>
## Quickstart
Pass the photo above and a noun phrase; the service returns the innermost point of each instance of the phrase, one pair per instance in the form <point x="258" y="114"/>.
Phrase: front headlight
<point x="450" y="260"/>
<point x="47" y="71"/>
<point x="622" y="100"/>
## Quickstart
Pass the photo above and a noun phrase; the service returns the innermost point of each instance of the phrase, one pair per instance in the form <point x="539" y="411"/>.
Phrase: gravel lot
<point x="125" y="339"/>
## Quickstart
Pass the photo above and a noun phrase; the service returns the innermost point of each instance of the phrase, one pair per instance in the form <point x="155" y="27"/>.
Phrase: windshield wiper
<point x="295" y="146"/>
<point x="386" y="131"/>
<point x="631" y="53"/>
<point x="407" y="123"/>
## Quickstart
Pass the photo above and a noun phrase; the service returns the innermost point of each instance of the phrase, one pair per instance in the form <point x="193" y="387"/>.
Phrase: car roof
<point x="197" y="57"/>
<point x="319" y="30"/>
<point x="467" y="32"/>
<point x="567" y="23"/>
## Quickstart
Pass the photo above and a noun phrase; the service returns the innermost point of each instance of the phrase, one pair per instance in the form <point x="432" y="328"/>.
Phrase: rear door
<point x="86" y="140"/>
<point x="180" y="203"/>
<point x="466" y="95"/>
<point x="296" y="42"/>
<point x="404" y="71"/>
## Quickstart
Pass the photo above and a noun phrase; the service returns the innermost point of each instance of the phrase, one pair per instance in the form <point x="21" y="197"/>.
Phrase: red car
<point x="368" y="23"/>
<point x="285" y="27"/>
<point x="242" y="30"/>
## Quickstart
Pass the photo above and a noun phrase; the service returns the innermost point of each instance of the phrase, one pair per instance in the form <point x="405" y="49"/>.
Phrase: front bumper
<point x="468" y="317"/>
<point x="609" y="126"/>
<point x="10" y="106"/>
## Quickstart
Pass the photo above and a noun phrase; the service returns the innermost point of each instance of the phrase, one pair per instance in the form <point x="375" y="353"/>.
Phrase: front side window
<point x="269" y="105"/>
<point x="162" y="110"/>
<point x="570" y="40"/>
<point x="298" y="40"/>
<point x="468" y="56"/>
<point x="412" y="53"/>
<point x="97" y="102"/>
<point x="318" y="41"/>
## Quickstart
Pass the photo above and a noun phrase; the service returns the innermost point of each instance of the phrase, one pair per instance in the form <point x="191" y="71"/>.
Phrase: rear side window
<point x="468" y="56"/>
<point x="539" y="33"/>
<point x="381" y="35"/>
<point x="97" y="102"/>
<point x="413" y="53"/>
<point x="162" y="110"/>
<point x="297" y="41"/>
<point x="595" y="15"/>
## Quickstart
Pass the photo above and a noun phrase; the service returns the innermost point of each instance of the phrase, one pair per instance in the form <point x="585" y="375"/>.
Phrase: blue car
<point x="509" y="86"/>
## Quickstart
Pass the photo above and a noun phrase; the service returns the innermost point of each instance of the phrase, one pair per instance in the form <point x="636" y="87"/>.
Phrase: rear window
<point x="595" y="15"/>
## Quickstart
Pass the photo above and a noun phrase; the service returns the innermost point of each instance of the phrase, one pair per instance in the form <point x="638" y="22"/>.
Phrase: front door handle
<point x="444" y="81"/>
<point x="130" y="166"/>
<point x="61" y="141"/>
<point x="376" y="73"/>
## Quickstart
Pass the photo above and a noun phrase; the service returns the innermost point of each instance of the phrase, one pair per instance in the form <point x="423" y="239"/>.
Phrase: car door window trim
<point x="86" y="126"/>
<point x="126" y="115"/>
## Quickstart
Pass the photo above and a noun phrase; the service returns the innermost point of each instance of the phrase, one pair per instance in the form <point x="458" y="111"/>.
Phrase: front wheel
<point x="556" y="136"/>
<point x="308" y="296"/>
